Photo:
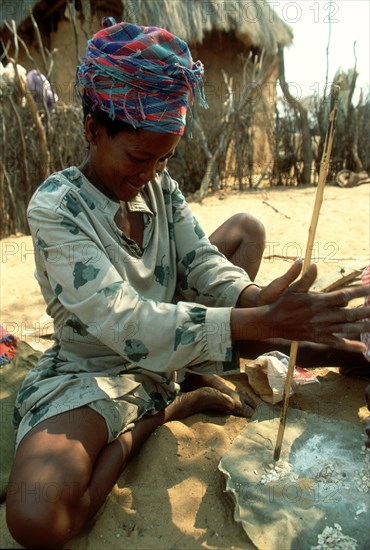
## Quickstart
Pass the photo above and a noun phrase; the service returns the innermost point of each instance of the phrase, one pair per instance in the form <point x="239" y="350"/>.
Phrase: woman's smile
<point x="122" y="165"/>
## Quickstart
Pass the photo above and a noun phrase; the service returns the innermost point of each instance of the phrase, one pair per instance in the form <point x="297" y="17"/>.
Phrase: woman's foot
<point x="230" y="400"/>
<point x="199" y="400"/>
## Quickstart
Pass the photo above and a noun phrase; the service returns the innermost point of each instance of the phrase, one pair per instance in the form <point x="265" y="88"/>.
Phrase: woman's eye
<point x="135" y="159"/>
<point x="138" y="160"/>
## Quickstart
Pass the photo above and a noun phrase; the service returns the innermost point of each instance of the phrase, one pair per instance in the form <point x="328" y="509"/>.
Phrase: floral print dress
<point x="124" y="316"/>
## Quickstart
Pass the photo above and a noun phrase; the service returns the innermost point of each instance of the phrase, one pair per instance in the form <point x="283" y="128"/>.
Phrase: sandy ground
<point x="172" y="496"/>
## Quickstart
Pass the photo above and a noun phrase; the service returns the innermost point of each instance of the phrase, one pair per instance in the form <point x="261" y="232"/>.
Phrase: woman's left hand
<point x="272" y="291"/>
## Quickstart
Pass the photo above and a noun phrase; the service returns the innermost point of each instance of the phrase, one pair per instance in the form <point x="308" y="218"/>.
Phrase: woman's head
<point x="122" y="166"/>
<point x="138" y="83"/>
<point x="139" y="77"/>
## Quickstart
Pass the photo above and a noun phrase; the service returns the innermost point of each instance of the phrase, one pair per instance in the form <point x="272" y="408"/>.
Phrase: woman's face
<point x="122" y="165"/>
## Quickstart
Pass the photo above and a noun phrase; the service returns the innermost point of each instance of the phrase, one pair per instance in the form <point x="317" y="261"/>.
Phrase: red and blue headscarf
<point x="144" y="76"/>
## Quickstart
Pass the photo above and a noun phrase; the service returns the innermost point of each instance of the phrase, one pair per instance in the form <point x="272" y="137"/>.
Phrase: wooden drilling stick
<point x="324" y="166"/>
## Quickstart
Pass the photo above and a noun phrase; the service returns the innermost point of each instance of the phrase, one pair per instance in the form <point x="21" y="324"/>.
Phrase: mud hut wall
<point x="220" y="52"/>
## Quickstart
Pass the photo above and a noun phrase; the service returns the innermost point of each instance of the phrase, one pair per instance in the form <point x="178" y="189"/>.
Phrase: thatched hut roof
<point x="253" y="22"/>
<point x="17" y="11"/>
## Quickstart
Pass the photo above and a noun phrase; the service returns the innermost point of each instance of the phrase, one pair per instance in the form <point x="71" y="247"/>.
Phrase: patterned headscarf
<point x="144" y="76"/>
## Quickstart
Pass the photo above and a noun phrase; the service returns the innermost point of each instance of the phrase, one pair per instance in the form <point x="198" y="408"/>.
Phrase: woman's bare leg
<point x="63" y="469"/>
<point x="52" y="484"/>
<point x="242" y="240"/>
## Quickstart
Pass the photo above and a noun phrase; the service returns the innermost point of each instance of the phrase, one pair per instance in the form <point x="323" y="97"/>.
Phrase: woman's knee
<point x="247" y="243"/>
<point x="240" y="230"/>
<point x="49" y="479"/>
<point x="250" y="228"/>
<point x="36" y="517"/>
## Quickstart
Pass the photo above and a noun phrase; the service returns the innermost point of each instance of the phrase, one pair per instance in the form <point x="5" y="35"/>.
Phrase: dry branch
<point x="340" y="277"/>
<point x="293" y="258"/>
<point x="39" y="42"/>
<point x="29" y="151"/>
<point x="237" y="119"/>
<point x="23" y="148"/>
<point x="276" y="210"/>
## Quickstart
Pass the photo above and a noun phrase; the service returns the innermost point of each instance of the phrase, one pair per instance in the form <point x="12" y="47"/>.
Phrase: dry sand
<point x="171" y="495"/>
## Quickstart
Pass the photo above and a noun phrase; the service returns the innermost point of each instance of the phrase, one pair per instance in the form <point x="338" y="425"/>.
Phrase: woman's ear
<point x="92" y="129"/>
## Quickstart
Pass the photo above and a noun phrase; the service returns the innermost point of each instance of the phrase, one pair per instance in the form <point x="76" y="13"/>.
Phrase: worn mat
<point x="328" y="483"/>
<point x="11" y="377"/>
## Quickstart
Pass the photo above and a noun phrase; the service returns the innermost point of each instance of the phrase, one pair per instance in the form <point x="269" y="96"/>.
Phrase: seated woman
<point x="141" y="298"/>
